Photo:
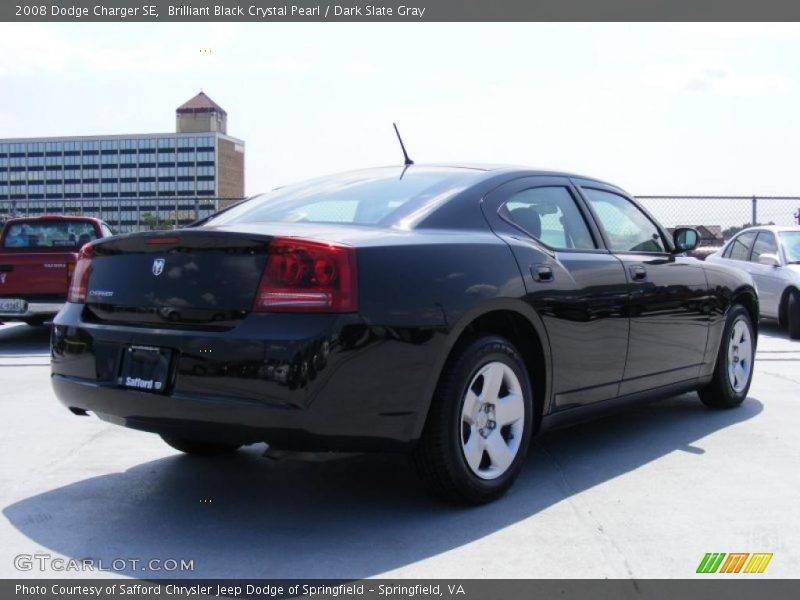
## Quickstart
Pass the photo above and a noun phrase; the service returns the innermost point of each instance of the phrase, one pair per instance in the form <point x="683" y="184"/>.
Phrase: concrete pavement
<point x="644" y="493"/>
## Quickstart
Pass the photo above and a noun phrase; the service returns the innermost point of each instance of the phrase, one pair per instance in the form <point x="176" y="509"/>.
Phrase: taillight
<point x="303" y="276"/>
<point x="80" y="276"/>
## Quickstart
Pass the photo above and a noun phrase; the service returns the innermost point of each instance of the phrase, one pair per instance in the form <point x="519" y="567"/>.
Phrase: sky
<point x="658" y="109"/>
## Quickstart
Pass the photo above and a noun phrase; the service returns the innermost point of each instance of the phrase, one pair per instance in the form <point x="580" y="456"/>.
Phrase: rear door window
<point x="49" y="234"/>
<point x="549" y="214"/>
<point x="765" y="244"/>
<point x="740" y="246"/>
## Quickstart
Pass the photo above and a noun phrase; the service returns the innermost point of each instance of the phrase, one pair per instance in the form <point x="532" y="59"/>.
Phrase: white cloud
<point x="712" y="78"/>
<point x="360" y="68"/>
<point x="281" y="64"/>
<point x="37" y="48"/>
<point x="29" y="48"/>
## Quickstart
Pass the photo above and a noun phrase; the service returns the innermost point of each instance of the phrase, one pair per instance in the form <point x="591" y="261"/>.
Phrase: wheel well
<point x="750" y="303"/>
<point x="784" y="305"/>
<point x="521" y="333"/>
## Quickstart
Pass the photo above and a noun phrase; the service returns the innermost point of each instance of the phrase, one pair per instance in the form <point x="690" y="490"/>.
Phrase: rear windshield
<point x="49" y="234"/>
<point x="377" y="197"/>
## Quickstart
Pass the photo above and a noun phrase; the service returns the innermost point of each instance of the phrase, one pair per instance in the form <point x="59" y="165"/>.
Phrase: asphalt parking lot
<point x="645" y="493"/>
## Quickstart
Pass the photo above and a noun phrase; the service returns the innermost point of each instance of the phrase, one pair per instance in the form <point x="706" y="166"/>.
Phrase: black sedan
<point x="451" y="312"/>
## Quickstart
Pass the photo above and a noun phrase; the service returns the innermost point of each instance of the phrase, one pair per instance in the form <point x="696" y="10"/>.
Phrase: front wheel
<point x="199" y="448"/>
<point x="479" y="426"/>
<point x="735" y="360"/>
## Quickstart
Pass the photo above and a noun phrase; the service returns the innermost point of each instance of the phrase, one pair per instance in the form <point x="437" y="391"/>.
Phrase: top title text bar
<point x="410" y="11"/>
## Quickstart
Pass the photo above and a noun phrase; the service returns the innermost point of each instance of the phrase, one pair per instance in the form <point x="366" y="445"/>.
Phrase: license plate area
<point x="13" y="305"/>
<point x="145" y="368"/>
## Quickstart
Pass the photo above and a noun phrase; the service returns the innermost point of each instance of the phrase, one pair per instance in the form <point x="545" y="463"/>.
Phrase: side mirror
<point x="770" y="260"/>
<point x="685" y="239"/>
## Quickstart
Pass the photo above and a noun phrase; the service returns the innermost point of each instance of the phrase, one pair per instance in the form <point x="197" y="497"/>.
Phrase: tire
<point x="199" y="448"/>
<point x="793" y="314"/>
<point x="482" y="409"/>
<point x="734" y="370"/>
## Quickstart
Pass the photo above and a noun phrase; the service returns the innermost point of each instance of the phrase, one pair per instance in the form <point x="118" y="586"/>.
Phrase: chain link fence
<point x="123" y="215"/>
<point x="723" y="211"/>
<point x="718" y="218"/>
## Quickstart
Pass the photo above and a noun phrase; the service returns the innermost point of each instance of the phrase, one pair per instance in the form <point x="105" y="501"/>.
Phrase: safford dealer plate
<point x="145" y="368"/>
<point x="12" y="305"/>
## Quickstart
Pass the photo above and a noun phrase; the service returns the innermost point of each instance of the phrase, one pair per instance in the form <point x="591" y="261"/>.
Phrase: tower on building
<point x="200" y="115"/>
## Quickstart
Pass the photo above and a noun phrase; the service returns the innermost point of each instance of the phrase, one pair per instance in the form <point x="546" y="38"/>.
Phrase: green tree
<point x="153" y="222"/>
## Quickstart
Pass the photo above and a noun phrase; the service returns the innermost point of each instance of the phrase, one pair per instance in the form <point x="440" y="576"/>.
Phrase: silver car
<point x="771" y="255"/>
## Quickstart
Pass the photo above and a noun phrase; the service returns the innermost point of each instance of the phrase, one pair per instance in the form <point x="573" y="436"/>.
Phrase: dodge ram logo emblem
<point x="158" y="266"/>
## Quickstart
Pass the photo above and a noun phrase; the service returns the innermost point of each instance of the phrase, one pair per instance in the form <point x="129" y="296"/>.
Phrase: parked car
<point x="452" y="312"/>
<point x="771" y="254"/>
<point x="37" y="258"/>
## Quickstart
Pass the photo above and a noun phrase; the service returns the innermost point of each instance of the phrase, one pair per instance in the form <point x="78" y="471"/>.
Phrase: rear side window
<point x="49" y="234"/>
<point x="740" y="246"/>
<point x="626" y="227"/>
<point x="549" y="214"/>
<point x="765" y="244"/>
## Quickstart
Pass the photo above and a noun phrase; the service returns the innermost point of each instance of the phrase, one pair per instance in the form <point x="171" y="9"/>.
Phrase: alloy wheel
<point x="492" y="420"/>
<point x="740" y="356"/>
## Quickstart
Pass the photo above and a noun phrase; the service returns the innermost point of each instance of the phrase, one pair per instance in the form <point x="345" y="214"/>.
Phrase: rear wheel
<point x="479" y="426"/>
<point x="199" y="448"/>
<point x="793" y="314"/>
<point x="734" y="370"/>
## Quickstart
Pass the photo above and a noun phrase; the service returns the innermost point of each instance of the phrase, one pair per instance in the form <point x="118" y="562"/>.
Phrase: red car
<point x="37" y="257"/>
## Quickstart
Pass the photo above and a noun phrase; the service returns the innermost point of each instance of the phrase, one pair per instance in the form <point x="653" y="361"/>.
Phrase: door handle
<point x="542" y="273"/>
<point x="638" y="272"/>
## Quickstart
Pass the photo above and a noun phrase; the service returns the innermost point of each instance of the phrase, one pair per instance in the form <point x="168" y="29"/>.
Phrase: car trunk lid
<point x="188" y="278"/>
<point x="35" y="274"/>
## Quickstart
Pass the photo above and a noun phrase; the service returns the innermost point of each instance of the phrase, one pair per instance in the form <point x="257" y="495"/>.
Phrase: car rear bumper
<point x="219" y="419"/>
<point x="312" y="381"/>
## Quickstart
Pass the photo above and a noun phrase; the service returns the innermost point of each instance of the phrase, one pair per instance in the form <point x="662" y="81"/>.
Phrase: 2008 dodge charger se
<point x="449" y="311"/>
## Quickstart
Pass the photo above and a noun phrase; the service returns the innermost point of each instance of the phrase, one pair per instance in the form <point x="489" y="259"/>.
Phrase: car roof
<point x="52" y="218"/>
<point x="492" y="169"/>
<point x="773" y="228"/>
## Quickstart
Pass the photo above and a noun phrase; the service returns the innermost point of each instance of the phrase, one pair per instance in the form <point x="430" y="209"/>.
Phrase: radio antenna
<point x="402" y="146"/>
